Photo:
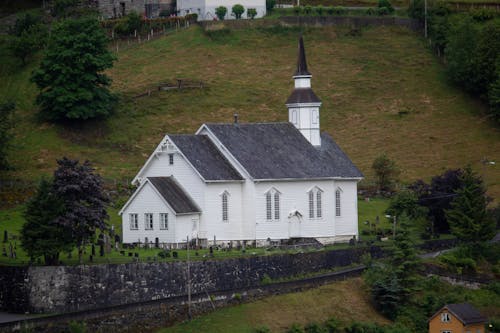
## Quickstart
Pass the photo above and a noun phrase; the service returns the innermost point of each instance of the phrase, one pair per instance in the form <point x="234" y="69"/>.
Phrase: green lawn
<point x="344" y="300"/>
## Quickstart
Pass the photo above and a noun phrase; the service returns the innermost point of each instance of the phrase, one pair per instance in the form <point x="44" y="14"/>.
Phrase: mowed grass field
<point x="383" y="91"/>
<point x="345" y="300"/>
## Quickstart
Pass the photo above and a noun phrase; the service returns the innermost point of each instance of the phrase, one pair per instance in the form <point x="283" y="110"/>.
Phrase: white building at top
<point x="206" y="8"/>
<point x="248" y="182"/>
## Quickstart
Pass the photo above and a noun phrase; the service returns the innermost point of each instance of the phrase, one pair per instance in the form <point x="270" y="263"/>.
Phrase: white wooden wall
<point x="148" y="201"/>
<point x="347" y="223"/>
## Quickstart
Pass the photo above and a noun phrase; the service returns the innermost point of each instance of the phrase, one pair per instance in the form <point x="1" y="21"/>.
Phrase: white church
<point x="248" y="182"/>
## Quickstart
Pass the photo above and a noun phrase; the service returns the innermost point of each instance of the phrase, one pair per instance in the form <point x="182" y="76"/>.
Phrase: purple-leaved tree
<point x="81" y="191"/>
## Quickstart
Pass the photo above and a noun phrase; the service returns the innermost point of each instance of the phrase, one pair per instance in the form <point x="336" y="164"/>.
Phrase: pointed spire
<point x="301" y="61"/>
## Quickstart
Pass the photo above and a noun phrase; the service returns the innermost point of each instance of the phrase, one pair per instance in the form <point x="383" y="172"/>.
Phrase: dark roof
<point x="280" y="151"/>
<point x="205" y="157"/>
<point x="170" y="190"/>
<point x="466" y="313"/>
<point x="301" y="61"/>
<point x="303" y="95"/>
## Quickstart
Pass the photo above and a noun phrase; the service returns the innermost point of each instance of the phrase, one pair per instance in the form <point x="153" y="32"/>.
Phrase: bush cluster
<point x="385" y="9"/>
<point x="470" y="42"/>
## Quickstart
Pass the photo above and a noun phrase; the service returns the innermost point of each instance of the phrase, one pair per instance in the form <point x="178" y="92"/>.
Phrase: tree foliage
<point x="6" y="124"/>
<point x="81" y="191"/>
<point x="437" y="197"/>
<point x="468" y="216"/>
<point x="72" y="85"/>
<point x="270" y="5"/>
<point x="41" y="235"/>
<point x="406" y="202"/>
<point x="386" y="172"/>
<point x="237" y="11"/>
<point x="29" y="34"/>
<point x="221" y="12"/>
<point x="251" y="12"/>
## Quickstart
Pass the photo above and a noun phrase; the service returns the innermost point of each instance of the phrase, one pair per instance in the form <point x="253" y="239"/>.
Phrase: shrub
<point x="382" y="11"/>
<point x="297" y="10"/>
<point x="319" y="10"/>
<point x="330" y="10"/>
<point x="193" y="17"/>
<point x="459" y="260"/>
<point x="270" y="5"/>
<point x="262" y="329"/>
<point x="307" y="10"/>
<point x="295" y="328"/>
<point x="221" y="12"/>
<point x="370" y="11"/>
<point x="266" y="279"/>
<point x="165" y="13"/>
<point x="251" y="12"/>
<point x="77" y="327"/>
<point x="237" y="11"/>
<point x="313" y="328"/>
<point x="339" y="10"/>
<point x="332" y="325"/>
<point x="386" y="4"/>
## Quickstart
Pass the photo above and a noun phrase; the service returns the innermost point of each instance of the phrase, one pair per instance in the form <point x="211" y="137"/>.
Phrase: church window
<point x="311" y="205"/>
<point x="315" y="203"/>
<point x="273" y="205"/>
<point x="148" y="221"/>
<point x="315" y="116"/>
<point x="171" y="159"/>
<point x="337" y="203"/>
<point x="134" y="221"/>
<point x="276" y="206"/>
<point x="164" y="221"/>
<point x="225" y="215"/>
<point x="295" y="119"/>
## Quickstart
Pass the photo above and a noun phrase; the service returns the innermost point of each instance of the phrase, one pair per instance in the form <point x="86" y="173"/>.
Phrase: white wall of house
<point x="206" y="8"/>
<point x="211" y="219"/>
<point x="148" y="201"/>
<point x="347" y="224"/>
<point x="181" y="170"/>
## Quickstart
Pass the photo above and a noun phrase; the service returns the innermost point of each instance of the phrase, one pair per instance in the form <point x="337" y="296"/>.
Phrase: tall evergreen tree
<point x="72" y="85"/>
<point x="41" y="235"/>
<point x="468" y="216"/>
<point x="82" y="193"/>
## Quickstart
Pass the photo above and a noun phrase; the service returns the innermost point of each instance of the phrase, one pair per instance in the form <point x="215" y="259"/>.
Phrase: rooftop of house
<point x="176" y="197"/>
<point x="465" y="312"/>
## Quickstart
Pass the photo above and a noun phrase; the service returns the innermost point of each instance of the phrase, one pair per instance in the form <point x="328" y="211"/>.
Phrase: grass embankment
<point x="383" y="91"/>
<point x="12" y="221"/>
<point x="345" y="300"/>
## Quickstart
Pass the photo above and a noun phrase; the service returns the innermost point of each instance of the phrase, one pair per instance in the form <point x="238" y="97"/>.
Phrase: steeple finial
<point x="301" y="61"/>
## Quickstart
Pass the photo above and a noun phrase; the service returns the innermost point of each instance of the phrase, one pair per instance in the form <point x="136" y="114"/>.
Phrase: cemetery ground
<point x="11" y="220"/>
<point x="382" y="91"/>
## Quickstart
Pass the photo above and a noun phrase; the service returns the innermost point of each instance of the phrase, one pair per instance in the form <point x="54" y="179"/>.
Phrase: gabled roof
<point x="464" y="312"/>
<point x="301" y="61"/>
<point x="205" y="157"/>
<point x="172" y="193"/>
<point x="280" y="151"/>
<point x="302" y="95"/>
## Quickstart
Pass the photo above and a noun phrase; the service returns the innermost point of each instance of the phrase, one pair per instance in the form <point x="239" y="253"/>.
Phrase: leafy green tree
<point x="406" y="202"/>
<point x="25" y="22"/>
<point x="386" y="172"/>
<point x="270" y="5"/>
<point x="64" y="8"/>
<point x="129" y="24"/>
<point x="237" y="11"/>
<point x="221" y="12"/>
<point x="251" y="12"/>
<point x="416" y="9"/>
<point x="6" y="124"/>
<point x="468" y="216"/>
<point x="386" y="4"/>
<point x="28" y="42"/>
<point x="72" y="85"/>
<point x="81" y="191"/>
<point x="41" y="235"/>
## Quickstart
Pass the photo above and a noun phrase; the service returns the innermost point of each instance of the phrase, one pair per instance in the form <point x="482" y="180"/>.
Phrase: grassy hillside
<point x="346" y="300"/>
<point x="382" y="92"/>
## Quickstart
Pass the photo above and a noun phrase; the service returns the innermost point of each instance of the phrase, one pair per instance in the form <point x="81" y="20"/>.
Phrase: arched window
<point x="225" y="208"/>
<point x="315" y="203"/>
<point x="273" y="204"/>
<point x="337" y="202"/>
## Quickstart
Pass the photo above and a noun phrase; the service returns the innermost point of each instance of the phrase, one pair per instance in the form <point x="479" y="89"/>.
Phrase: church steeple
<point x="303" y="104"/>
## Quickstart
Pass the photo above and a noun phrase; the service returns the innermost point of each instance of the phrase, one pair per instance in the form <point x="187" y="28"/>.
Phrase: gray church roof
<point x="280" y="151"/>
<point x="171" y="191"/>
<point x="303" y="95"/>
<point x="205" y="157"/>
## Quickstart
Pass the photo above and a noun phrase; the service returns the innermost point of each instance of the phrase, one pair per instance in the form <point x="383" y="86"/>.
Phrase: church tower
<point x="303" y="104"/>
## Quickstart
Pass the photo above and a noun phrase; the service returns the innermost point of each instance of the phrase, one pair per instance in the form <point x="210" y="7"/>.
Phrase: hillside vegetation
<point x="382" y="91"/>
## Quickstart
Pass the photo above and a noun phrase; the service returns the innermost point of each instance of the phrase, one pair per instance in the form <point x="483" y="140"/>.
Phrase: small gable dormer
<point x="303" y="104"/>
